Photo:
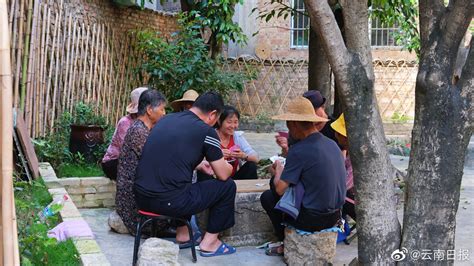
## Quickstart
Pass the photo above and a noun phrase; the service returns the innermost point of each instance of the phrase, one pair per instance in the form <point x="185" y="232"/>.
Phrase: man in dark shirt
<point x="315" y="161"/>
<point x="163" y="184"/>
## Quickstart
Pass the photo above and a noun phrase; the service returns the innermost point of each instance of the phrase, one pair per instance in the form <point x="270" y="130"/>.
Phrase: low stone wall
<point x="88" y="249"/>
<point x="87" y="192"/>
<point x="398" y="129"/>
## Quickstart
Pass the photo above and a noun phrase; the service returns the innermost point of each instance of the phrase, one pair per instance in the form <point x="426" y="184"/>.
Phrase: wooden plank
<point x="27" y="146"/>
<point x="252" y="185"/>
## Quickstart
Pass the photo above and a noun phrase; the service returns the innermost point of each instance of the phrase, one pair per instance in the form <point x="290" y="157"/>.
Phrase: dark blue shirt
<point x="175" y="146"/>
<point x="317" y="162"/>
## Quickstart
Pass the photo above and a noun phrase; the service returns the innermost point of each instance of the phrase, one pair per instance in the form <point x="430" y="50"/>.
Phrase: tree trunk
<point x="319" y="71"/>
<point x="185" y="6"/>
<point x="377" y="225"/>
<point x="214" y="46"/>
<point x="442" y="129"/>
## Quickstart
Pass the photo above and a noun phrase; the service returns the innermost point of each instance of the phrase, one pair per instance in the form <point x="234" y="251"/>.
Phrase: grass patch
<point x="79" y="170"/>
<point x="36" y="248"/>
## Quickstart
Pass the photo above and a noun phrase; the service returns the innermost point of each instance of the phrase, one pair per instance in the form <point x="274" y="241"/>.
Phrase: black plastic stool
<point x="145" y="218"/>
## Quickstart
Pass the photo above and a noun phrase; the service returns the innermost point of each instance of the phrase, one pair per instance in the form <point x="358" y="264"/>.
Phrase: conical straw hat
<point x="340" y="125"/>
<point x="188" y="96"/>
<point x="300" y="109"/>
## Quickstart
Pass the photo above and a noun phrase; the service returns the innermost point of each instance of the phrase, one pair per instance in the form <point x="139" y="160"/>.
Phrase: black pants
<point x="349" y="208"/>
<point x="215" y="195"/>
<point x="307" y="220"/>
<point x="247" y="171"/>
<point x="110" y="169"/>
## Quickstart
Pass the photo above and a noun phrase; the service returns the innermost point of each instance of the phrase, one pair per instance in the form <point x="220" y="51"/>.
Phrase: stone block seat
<point x="252" y="225"/>
<point x="313" y="249"/>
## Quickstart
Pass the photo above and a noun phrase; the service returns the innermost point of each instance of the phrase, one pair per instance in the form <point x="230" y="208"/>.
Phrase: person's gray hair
<point x="150" y="97"/>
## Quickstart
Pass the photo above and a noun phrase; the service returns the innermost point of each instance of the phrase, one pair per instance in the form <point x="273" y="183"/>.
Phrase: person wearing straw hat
<point x="316" y="162"/>
<point x="185" y="103"/>
<point x="341" y="135"/>
<point x="110" y="159"/>
<point x="318" y="101"/>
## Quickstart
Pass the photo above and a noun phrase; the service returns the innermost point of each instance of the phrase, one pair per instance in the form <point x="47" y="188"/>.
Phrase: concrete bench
<point x="252" y="225"/>
<point x="314" y="249"/>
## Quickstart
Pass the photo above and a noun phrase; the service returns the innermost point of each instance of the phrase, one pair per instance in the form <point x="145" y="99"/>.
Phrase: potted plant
<point x="87" y="131"/>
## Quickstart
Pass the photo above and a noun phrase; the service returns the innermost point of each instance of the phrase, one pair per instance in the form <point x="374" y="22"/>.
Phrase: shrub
<point x="182" y="62"/>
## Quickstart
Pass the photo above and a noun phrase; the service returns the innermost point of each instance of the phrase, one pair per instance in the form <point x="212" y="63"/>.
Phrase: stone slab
<point x="97" y="259"/>
<point x="253" y="185"/>
<point x="92" y="181"/>
<point x="87" y="246"/>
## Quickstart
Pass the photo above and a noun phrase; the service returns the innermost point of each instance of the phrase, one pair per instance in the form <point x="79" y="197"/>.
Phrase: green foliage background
<point x="182" y="62"/>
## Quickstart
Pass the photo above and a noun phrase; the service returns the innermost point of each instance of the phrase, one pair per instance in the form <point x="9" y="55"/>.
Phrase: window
<point x="381" y="35"/>
<point x="299" y="32"/>
<point x="168" y="5"/>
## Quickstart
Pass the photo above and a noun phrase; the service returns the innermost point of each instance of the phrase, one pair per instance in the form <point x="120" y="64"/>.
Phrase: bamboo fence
<point x="59" y="60"/>
<point x="66" y="61"/>
<point x="278" y="81"/>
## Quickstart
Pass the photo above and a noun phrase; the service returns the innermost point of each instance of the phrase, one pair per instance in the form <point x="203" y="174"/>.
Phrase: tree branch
<point x="430" y="12"/>
<point x="356" y="16"/>
<point x="322" y="19"/>
<point x="456" y="21"/>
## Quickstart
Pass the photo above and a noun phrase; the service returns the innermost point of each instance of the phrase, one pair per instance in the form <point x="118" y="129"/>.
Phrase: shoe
<point x="188" y="244"/>
<point x="219" y="252"/>
<point x="274" y="250"/>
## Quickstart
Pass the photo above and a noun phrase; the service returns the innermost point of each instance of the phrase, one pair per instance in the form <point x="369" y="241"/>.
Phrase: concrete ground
<point x="119" y="248"/>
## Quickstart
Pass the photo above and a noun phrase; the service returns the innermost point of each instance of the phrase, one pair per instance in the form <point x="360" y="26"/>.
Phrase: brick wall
<point x="276" y="33"/>
<point x="123" y="19"/>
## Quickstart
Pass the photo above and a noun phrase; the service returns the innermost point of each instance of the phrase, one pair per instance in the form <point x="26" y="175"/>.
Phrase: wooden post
<point x="9" y="252"/>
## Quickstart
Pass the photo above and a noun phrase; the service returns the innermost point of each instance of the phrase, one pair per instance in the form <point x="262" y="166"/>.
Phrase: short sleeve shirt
<point x="175" y="146"/>
<point x="317" y="162"/>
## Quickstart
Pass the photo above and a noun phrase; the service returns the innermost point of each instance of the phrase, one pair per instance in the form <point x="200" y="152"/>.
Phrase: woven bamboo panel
<point x="278" y="81"/>
<point x="69" y="61"/>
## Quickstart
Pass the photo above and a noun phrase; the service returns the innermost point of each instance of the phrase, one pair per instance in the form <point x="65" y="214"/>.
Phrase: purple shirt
<point x="113" y="151"/>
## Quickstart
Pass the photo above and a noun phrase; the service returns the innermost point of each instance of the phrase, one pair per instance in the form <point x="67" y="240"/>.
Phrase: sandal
<point x="220" y="251"/>
<point x="275" y="250"/>
<point x="188" y="244"/>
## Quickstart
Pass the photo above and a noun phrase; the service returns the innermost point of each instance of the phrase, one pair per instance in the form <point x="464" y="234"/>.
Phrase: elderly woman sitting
<point x="110" y="160"/>
<point x="237" y="151"/>
<point x="151" y="107"/>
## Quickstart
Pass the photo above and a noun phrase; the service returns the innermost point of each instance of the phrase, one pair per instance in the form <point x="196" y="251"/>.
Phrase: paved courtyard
<point x="119" y="248"/>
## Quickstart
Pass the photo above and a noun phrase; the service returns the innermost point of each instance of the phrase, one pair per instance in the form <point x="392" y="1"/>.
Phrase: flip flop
<point x="220" y="251"/>
<point x="188" y="244"/>
<point x="274" y="251"/>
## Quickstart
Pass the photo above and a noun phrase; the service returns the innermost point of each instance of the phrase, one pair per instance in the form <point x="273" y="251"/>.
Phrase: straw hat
<point x="132" y="108"/>
<point x="300" y="109"/>
<point x="188" y="96"/>
<point x="340" y="125"/>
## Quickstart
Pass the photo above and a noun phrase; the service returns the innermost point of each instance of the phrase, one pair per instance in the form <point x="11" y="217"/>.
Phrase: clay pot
<point x="85" y="139"/>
